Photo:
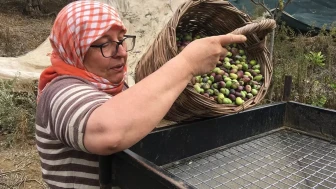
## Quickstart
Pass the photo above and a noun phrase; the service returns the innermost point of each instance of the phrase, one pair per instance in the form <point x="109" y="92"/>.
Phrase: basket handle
<point x="262" y="28"/>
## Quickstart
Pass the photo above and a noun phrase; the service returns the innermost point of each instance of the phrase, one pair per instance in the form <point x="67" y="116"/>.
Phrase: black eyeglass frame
<point x="133" y="37"/>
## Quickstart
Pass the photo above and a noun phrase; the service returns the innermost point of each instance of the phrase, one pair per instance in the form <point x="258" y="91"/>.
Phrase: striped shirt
<point x="61" y="117"/>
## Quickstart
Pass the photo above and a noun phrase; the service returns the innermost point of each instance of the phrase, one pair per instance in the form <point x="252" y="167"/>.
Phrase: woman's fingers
<point x="230" y="39"/>
<point x="224" y="52"/>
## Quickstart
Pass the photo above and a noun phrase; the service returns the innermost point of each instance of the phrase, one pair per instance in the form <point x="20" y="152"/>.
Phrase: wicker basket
<point x="209" y="18"/>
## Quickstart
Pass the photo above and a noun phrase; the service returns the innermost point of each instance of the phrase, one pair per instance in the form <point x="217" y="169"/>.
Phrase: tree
<point x="39" y="8"/>
<point x="33" y="7"/>
<point x="276" y="15"/>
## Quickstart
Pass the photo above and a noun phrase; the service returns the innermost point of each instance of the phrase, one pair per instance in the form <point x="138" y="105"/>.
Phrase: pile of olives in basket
<point x="235" y="79"/>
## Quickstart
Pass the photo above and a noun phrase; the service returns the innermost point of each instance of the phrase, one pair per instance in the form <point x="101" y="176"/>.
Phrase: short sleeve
<point x="65" y="107"/>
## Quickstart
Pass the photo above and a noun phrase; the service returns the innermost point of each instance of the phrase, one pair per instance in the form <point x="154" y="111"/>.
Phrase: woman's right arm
<point x="129" y="116"/>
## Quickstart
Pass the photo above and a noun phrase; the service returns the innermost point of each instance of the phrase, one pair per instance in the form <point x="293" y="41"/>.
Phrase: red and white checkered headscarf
<point x="76" y="27"/>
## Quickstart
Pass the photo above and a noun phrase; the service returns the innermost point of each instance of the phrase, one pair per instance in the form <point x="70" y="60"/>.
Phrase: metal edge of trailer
<point x="133" y="171"/>
<point x="178" y="141"/>
<point x="311" y="120"/>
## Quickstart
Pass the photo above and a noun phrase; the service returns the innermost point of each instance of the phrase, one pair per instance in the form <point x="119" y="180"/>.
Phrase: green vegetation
<point x="17" y="110"/>
<point x="311" y="63"/>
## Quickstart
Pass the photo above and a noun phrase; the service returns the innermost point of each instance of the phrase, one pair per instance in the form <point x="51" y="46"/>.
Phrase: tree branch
<point x="287" y="2"/>
<point x="263" y="5"/>
<point x="9" y="172"/>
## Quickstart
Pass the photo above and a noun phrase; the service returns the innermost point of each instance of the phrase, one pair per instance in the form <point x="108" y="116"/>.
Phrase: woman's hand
<point x="203" y="54"/>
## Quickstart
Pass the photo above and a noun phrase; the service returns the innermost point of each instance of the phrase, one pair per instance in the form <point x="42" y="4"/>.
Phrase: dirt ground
<point x="20" y="168"/>
<point x="19" y="34"/>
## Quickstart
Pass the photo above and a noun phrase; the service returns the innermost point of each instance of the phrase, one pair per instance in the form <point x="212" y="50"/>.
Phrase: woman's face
<point x="111" y="68"/>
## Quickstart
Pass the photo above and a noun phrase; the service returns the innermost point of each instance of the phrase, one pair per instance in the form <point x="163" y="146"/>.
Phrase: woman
<point x="83" y="110"/>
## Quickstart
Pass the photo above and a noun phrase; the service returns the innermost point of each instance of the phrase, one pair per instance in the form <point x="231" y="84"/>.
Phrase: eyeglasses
<point x="110" y="48"/>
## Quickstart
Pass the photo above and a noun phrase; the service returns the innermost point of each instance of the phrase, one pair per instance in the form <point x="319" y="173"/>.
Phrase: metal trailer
<point x="280" y="145"/>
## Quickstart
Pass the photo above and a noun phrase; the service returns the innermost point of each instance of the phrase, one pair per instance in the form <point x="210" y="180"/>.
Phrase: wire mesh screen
<point x="283" y="159"/>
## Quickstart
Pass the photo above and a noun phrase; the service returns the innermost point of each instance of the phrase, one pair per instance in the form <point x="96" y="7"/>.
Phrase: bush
<point x="310" y="61"/>
<point x="17" y="109"/>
